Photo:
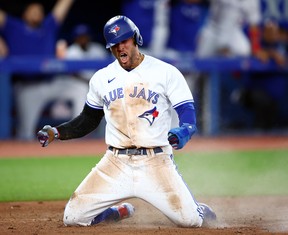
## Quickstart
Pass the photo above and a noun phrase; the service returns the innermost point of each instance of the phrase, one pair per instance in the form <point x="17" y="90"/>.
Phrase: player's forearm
<point x="82" y="125"/>
<point x="186" y="114"/>
<point x="61" y="9"/>
<point x="179" y="136"/>
<point x="2" y="18"/>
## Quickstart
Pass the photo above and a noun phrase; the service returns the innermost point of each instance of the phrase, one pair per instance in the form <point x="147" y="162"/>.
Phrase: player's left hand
<point x="179" y="136"/>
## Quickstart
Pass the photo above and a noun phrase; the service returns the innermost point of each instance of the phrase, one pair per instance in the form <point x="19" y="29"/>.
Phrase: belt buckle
<point x="130" y="152"/>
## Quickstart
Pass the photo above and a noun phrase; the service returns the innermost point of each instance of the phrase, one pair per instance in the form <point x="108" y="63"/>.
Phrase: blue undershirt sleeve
<point x="186" y="114"/>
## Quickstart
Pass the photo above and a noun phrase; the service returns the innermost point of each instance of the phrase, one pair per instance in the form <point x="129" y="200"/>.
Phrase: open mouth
<point x="123" y="57"/>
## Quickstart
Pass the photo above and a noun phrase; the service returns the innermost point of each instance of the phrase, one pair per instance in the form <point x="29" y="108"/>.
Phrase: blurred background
<point x="232" y="53"/>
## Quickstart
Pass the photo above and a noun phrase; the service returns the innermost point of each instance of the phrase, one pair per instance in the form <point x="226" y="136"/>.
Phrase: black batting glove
<point x="47" y="135"/>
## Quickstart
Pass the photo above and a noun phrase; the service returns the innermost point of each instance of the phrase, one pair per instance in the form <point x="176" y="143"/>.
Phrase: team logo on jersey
<point x="150" y="115"/>
<point x="114" y="29"/>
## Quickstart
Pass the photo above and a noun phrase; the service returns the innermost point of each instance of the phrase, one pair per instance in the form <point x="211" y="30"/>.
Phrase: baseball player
<point x="135" y="93"/>
<point x="223" y="33"/>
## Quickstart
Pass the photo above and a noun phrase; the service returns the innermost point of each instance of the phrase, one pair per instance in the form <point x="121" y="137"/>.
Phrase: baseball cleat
<point x="209" y="214"/>
<point x="125" y="211"/>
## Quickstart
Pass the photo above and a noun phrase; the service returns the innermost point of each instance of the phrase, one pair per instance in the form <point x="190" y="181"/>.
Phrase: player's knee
<point x="69" y="219"/>
<point x="72" y="217"/>
<point x="188" y="222"/>
<point x="72" y="220"/>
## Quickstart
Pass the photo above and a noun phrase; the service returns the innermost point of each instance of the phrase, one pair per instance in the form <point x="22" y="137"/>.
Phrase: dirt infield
<point x="93" y="147"/>
<point x="248" y="215"/>
<point x="236" y="215"/>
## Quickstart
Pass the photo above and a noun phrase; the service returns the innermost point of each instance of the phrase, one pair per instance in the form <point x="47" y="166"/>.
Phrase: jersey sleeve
<point x="93" y="97"/>
<point x="178" y="91"/>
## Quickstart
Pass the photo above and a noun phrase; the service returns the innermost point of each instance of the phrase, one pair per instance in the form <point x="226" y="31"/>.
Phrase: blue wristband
<point x="183" y="134"/>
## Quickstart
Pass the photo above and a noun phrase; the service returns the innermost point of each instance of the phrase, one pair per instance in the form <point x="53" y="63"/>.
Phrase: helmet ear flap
<point x="138" y="38"/>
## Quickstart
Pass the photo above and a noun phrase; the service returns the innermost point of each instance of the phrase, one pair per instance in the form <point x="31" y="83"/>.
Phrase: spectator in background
<point x="33" y="35"/>
<point x="186" y="19"/>
<point x="266" y="93"/>
<point x="84" y="48"/>
<point x="37" y="32"/>
<point x="273" y="43"/>
<point x="224" y="34"/>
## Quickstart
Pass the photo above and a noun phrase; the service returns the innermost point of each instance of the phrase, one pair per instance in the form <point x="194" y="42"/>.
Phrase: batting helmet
<point x="120" y="28"/>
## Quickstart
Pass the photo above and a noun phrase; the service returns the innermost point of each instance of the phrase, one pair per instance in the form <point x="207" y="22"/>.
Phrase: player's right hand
<point x="47" y="135"/>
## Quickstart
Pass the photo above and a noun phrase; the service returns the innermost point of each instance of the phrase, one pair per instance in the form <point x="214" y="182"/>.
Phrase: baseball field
<point x="244" y="179"/>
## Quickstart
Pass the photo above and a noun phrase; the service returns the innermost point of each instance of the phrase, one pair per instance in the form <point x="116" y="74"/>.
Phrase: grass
<point x="236" y="173"/>
<point x="208" y="174"/>
<point x="42" y="178"/>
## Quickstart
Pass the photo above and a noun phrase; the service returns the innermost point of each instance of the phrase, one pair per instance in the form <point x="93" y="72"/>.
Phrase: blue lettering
<point x="150" y="95"/>
<point x="112" y="95"/>
<point x="120" y="93"/>
<point x="142" y="94"/>
<point x="106" y="102"/>
<point x="155" y="100"/>
<point x="135" y="91"/>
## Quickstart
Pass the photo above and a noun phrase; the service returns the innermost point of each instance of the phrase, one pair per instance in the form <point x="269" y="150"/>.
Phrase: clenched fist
<point x="47" y="135"/>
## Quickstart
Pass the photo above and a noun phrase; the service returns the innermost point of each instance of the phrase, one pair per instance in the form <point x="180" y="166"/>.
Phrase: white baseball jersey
<point x="227" y="14"/>
<point x="137" y="103"/>
<point x="224" y="28"/>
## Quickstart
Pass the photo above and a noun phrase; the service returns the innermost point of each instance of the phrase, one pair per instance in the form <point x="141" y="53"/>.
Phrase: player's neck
<point x="138" y="60"/>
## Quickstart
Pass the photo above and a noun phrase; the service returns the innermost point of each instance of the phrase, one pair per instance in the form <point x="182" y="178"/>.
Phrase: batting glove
<point x="47" y="135"/>
<point x="179" y="136"/>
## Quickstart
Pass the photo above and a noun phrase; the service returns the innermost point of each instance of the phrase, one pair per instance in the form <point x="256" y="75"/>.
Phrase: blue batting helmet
<point x="120" y="28"/>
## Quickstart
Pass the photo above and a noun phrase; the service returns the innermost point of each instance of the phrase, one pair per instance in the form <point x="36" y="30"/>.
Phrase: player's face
<point x="127" y="54"/>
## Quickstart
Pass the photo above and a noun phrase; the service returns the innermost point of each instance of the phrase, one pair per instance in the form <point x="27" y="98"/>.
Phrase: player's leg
<point x="114" y="213"/>
<point x="30" y="101"/>
<point x="107" y="184"/>
<point x="207" y="42"/>
<point x="78" y="100"/>
<point x="239" y="43"/>
<point x="162" y="186"/>
<point x="75" y="91"/>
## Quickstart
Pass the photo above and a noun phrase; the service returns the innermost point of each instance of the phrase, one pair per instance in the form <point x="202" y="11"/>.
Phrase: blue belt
<point x="136" y="151"/>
